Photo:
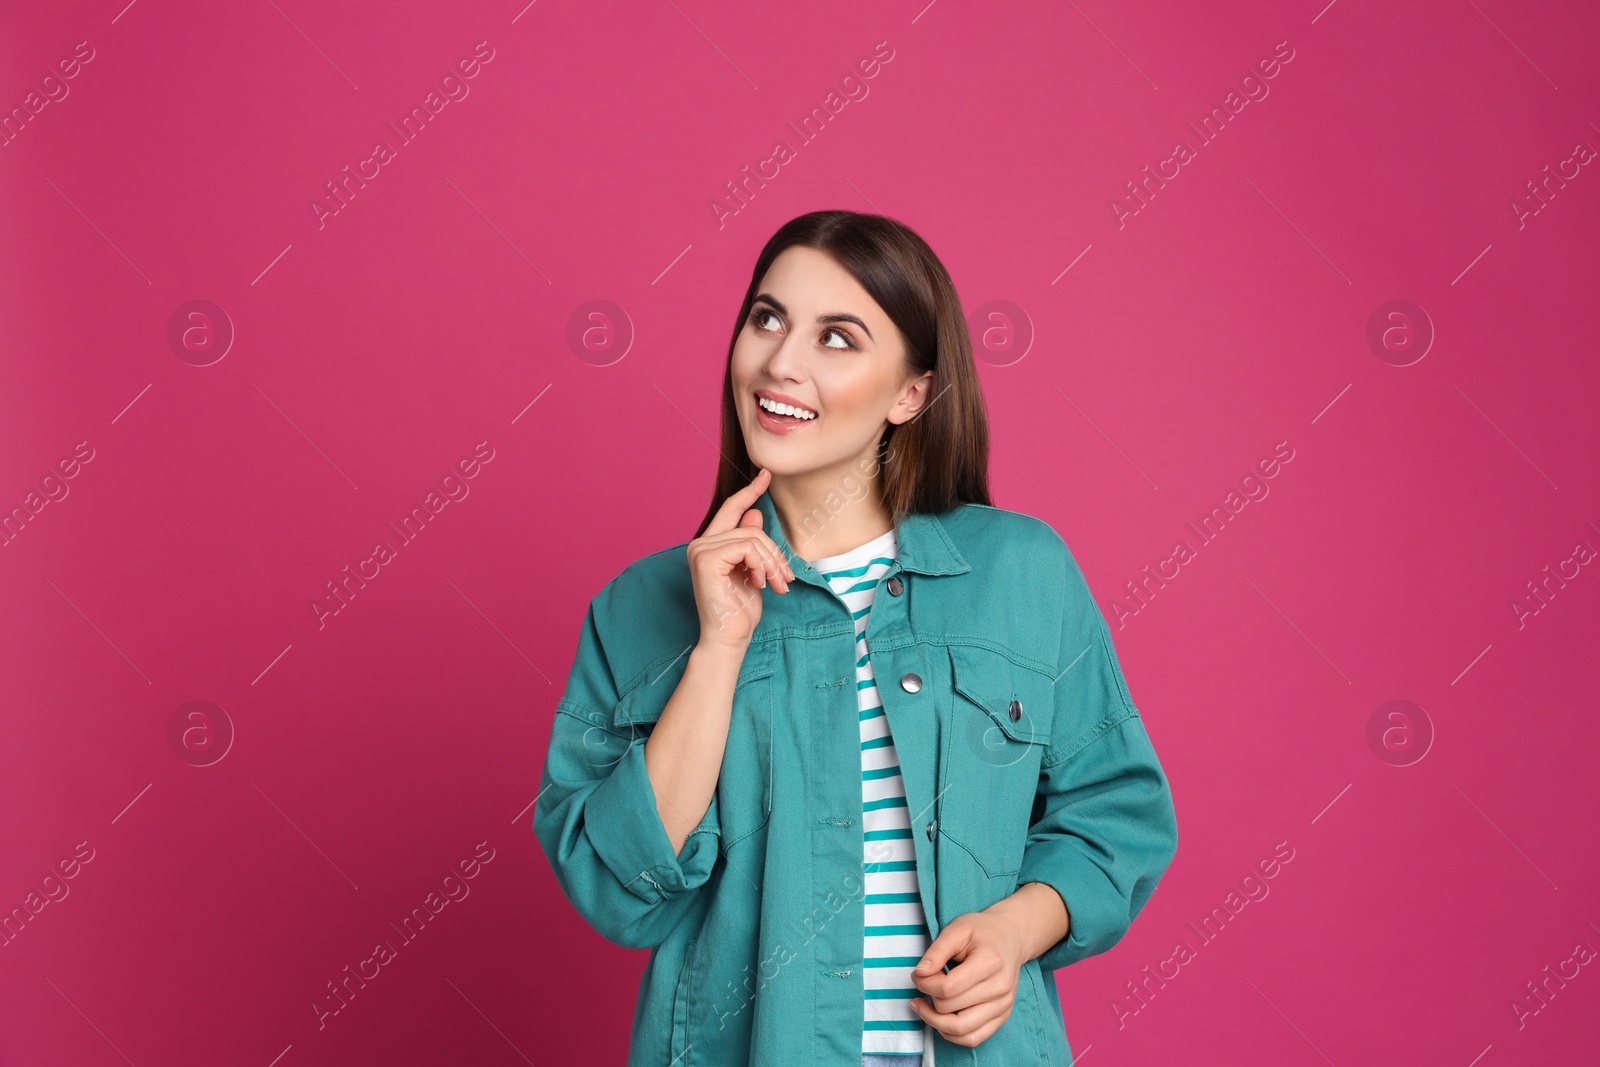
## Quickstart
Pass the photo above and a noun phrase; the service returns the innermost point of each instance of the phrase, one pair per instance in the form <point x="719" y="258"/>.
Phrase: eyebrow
<point x="837" y="316"/>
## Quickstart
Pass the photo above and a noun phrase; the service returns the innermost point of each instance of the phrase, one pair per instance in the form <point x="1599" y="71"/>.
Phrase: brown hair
<point x="940" y="458"/>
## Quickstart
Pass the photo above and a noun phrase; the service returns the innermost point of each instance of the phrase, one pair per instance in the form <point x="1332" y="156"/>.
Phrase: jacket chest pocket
<point x="998" y="731"/>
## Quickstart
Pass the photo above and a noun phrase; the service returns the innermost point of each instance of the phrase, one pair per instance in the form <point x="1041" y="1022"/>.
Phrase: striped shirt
<point x="895" y="934"/>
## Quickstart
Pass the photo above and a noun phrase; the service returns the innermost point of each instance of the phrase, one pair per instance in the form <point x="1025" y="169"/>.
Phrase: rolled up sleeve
<point x="1104" y="827"/>
<point x="596" y="816"/>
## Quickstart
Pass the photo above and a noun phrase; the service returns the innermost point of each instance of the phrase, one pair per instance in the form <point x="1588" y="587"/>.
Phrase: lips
<point x="801" y="412"/>
<point x="778" y="424"/>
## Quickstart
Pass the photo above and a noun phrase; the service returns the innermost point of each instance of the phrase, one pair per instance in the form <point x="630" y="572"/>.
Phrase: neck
<point x="825" y="514"/>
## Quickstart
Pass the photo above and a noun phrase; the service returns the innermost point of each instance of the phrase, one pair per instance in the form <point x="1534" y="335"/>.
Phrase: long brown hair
<point x="940" y="458"/>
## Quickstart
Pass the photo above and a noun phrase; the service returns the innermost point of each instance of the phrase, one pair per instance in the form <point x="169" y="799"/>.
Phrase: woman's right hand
<point x="730" y="564"/>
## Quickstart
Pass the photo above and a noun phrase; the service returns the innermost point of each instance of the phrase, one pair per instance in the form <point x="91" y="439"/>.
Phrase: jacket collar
<point x="922" y="545"/>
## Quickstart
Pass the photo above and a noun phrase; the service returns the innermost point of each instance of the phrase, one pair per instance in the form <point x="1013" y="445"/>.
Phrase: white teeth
<point x="785" y="409"/>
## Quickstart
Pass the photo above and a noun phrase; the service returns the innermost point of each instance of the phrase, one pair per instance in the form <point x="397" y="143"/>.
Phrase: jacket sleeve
<point x="596" y="819"/>
<point x="1104" y="829"/>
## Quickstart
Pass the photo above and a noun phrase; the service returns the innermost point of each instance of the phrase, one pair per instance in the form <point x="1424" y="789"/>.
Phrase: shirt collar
<point x="922" y="545"/>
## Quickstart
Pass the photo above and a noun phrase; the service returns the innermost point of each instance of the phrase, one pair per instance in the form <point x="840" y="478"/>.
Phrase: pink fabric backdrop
<point x="224" y="386"/>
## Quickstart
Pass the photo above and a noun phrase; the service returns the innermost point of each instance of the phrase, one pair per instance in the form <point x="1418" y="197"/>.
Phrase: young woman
<point x="858" y="762"/>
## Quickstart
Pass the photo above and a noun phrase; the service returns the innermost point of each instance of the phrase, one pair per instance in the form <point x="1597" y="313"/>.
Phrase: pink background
<point x="373" y="750"/>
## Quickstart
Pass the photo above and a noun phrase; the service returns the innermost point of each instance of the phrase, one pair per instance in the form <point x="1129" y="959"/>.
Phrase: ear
<point x="914" y="399"/>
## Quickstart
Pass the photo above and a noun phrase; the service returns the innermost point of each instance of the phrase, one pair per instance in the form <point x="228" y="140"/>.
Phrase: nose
<point x="786" y="360"/>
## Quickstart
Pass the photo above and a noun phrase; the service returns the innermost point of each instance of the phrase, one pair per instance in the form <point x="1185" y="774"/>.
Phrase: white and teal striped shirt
<point x="895" y="935"/>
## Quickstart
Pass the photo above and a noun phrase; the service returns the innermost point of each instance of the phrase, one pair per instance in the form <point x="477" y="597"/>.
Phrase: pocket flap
<point x="647" y="699"/>
<point x="990" y="680"/>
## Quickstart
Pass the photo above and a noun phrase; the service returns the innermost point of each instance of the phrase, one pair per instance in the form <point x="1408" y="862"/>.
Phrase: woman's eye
<point x="759" y="317"/>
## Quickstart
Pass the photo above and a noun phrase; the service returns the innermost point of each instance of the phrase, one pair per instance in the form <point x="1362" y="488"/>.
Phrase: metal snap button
<point x="1016" y="710"/>
<point x="910" y="682"/>
<point x="896" y="586"/>
<point x="931" y="825"/>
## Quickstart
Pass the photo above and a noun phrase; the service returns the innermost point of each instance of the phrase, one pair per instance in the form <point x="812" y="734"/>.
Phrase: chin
<point x="774" y="460"/>
<point x="758" y="459"/>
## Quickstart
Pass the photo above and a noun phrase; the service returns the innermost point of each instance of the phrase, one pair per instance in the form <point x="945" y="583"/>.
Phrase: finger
<point x="962" y="976"/>
<point x="780" y="564"/>
<point x="983" y="1033"/>
<point x="728" y="514"/>
<point x="778" y="570"/>
<point x="966" y="1027"/>
<point x="768" y="552"/>
<point x="928" y="973"/>
<point x="731" y="551"/>
<point x="991" y="986"/>
<point x="734" y="559"/>
<point x="755" y="520"/>
<point x="773" y="563"/>
<point x="755" y="563"/>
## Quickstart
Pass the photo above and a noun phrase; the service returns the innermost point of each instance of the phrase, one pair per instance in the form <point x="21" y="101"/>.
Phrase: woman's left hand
<point x="972" y="999"/>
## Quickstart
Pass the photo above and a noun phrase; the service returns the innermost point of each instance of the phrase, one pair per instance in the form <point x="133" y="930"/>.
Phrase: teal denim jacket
<point x="1023" y="756"/>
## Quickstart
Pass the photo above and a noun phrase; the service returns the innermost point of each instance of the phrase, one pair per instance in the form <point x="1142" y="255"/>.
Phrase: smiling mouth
<point x="785" y="414"/>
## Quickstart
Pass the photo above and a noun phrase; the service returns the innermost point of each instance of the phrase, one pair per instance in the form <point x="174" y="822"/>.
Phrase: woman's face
<point x="817" y="341"/>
